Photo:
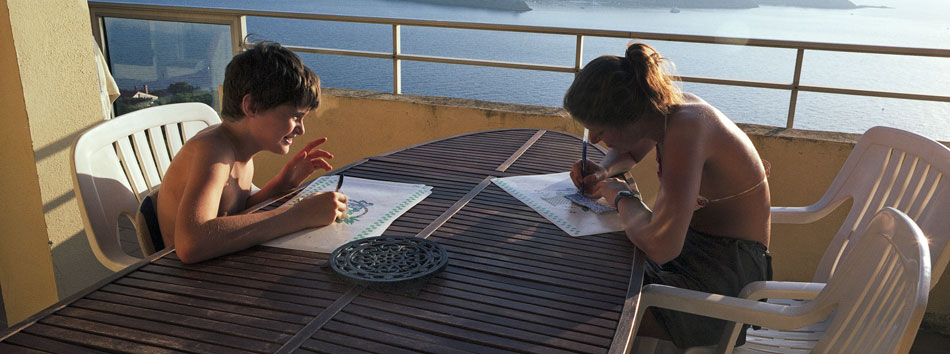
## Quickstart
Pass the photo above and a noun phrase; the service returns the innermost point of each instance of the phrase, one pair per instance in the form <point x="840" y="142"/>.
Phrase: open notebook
<point x="372" y="207"/>
<point x="549" y="195"/>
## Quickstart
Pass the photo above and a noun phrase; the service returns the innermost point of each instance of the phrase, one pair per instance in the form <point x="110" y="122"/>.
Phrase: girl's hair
<point x="272" y="75"/>
<point x="614" y="91"/>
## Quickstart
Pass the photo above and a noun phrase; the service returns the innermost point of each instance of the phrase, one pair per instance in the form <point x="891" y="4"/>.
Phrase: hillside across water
<point x="522" y="5"/>
<point x="507" y="5"/>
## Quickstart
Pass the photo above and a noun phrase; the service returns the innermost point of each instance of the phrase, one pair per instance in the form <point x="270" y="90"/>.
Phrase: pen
<point x="584" y="159"/>
<point x="339" y="184"/>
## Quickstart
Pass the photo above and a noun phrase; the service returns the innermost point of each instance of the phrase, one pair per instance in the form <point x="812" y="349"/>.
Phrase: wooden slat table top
<point x="514" y="283"/>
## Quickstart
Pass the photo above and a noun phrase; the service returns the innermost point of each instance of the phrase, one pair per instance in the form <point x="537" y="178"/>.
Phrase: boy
<point x="267" y="93"/>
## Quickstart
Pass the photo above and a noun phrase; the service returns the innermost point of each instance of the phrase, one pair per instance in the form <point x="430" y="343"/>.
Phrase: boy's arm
<point x="201" y="234"/>
<point x="273" y="189"/>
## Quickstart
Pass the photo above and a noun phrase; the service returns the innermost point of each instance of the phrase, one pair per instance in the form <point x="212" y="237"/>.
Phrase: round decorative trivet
<point x="388" y="259"/>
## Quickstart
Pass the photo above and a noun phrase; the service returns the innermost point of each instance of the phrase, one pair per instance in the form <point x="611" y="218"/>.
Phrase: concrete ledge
<point x="450" y="102"/>
<point x="751" y="129"/>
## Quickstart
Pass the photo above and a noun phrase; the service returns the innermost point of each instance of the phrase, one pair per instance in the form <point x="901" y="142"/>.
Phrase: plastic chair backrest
<point x="119" y="161"/>
<point x="892" y="168"/>
<point x="880" y="292"/>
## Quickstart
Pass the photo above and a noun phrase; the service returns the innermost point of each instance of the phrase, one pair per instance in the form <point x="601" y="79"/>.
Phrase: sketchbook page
<point x="371" y="207"/>
<point x="546" y="194"/>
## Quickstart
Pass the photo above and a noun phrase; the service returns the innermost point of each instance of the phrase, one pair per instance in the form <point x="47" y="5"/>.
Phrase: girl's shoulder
<point x="689" y="97"/>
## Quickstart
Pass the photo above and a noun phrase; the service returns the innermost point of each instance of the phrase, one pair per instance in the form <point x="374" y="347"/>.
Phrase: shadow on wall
<point x="75" y="266"/>
<point x="3" y="311"/>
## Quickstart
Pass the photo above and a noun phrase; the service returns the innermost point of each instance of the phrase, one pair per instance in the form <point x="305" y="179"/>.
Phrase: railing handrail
<point x="236" y="19"/>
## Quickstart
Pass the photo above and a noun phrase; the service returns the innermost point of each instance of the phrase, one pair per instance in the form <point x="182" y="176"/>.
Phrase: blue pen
<point x="584" y="159"/>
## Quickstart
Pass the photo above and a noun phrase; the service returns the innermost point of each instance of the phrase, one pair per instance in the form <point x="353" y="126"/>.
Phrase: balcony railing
<point x="235" y="20"/>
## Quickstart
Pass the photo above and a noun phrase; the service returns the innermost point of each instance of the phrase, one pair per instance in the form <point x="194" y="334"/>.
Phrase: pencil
<point x="584" y="159"/>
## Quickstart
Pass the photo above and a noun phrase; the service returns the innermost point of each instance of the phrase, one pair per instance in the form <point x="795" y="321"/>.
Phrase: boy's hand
<point x="304" y="163"/>
<point x="322" y="209"/>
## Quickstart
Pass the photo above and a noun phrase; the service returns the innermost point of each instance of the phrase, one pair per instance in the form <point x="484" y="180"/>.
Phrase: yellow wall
<point x="362" y="124"/>
<point x="49" y="94"/>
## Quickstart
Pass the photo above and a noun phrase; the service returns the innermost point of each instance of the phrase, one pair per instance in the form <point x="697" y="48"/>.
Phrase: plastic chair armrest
<point x="799" y="215"/>
<point x="724" y="307"/>
<point x="758" y="290"/>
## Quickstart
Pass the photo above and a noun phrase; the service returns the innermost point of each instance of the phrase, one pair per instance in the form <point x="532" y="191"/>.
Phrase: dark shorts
<point x="710" y="264"/>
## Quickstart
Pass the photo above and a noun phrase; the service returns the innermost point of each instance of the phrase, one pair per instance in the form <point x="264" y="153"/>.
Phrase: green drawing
<point x="354" y="210"/>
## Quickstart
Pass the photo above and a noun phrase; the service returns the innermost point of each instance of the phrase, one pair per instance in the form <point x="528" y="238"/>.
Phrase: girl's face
<point x="276" y="127"/>
<point x="622" y="139"/>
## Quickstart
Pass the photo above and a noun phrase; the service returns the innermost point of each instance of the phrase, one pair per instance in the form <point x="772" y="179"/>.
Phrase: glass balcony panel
<point x="855" y="114"/>
<point x="894" y="73"/>
<point x="352" y="73"/>
<point x="161" y="62"/>
<point x="745" y="104"/>
<point x="529" y="48"/>
<point x="322" y="34"/>
<point x="485" y="83"/>
<point x="773" y="65"/>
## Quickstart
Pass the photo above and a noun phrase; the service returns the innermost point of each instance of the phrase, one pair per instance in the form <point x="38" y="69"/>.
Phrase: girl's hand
<point x="593" y="174"/>
<point x="321" y="209"/>
<point x="610" y="187"/>
<point x="304" y="163"/>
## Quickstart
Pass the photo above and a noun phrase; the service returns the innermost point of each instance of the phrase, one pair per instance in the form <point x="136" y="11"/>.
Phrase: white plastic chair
<point x="888" y="168"/>
<point x="120" y="161"/>
<point x="878" y="296"/>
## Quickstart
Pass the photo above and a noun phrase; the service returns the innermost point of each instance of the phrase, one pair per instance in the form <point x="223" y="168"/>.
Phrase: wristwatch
<point x="627" y="194"/>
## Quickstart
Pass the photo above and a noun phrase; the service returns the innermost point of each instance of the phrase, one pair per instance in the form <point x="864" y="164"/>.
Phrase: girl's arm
<point x="661" y="233"/>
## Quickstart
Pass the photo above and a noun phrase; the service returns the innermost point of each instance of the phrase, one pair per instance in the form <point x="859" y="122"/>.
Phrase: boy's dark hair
<point x="272" y="75"/>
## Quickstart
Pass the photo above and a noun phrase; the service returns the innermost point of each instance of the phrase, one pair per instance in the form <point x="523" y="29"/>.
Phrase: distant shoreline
<point x="818" y="4"/>
<point x="504" y="5"/>
<point x="523" y="5"/>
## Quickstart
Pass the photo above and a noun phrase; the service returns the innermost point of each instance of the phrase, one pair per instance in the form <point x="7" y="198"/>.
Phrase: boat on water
<point x="674" y="10"/>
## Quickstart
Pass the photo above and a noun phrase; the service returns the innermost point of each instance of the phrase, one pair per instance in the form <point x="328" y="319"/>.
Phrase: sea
<point x="902" y="23"/>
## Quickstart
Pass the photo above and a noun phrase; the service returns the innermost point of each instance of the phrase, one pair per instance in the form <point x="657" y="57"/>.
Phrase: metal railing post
<point x="579" y="51"/>
<point x="397" y="63"/>
<point x="98" y="31"/>
<point x="238" y="34"/>
<point x="793" y="100"/>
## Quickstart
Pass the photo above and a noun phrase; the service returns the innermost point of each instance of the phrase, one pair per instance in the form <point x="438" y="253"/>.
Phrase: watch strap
<point x="626" y="194"/>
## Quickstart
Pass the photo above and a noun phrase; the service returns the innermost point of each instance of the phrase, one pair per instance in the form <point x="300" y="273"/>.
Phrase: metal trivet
<point x="388" y="259"/>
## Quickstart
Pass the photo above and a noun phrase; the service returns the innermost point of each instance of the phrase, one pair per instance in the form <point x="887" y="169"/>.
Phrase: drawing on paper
<point x="372" y="206"/>
<point x="557" y="198"/>
<point x="549" y="196"/>
<point x="354" y="210"/>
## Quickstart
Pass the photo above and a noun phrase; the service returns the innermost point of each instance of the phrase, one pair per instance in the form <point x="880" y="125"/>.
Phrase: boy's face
<point x="276" y="128"/>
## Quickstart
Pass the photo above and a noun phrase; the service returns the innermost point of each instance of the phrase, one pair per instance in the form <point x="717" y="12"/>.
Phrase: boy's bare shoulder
<point x="209" y="145"/>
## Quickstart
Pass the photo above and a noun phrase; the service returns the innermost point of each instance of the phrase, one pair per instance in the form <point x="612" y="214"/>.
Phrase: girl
<point x="709" y="229"/>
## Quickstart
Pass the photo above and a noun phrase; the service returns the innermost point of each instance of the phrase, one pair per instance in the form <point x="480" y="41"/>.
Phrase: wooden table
<point x="514" y="283"/>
